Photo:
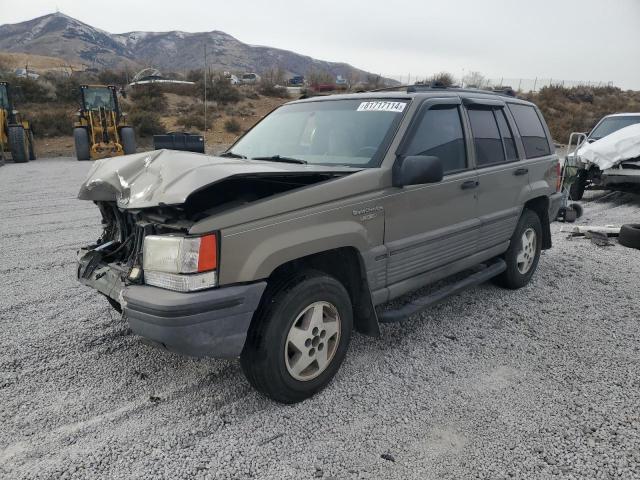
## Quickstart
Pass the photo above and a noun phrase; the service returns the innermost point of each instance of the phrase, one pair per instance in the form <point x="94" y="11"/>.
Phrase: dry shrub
<point x="146" y="123"/>
<point x="149" y="98"/>
<point x="53" y="121"/>
<point x="578" y="109"/>
<point x="219" y="89"/>
<point x="192" y="120"/>
<point x="232" y="125"/>
<point x="271" y="90"/>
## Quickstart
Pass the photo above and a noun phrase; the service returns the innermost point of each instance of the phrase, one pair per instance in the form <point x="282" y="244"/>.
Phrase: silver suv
<point x="327" y="209"/>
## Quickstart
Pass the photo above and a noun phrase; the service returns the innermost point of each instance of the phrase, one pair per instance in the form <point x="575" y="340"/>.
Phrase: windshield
<point x="613" y="124"/>
<point x="4" y="99"/>
<point x="330" y="132"/>
<point x="96" y="98"/>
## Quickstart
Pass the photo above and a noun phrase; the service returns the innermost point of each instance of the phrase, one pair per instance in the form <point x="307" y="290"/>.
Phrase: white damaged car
<point x="608" y="157"/>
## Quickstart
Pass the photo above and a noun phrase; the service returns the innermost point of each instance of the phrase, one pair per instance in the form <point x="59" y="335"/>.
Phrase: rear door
<point x="502" y="178"/>
<point x="432" y="225"/>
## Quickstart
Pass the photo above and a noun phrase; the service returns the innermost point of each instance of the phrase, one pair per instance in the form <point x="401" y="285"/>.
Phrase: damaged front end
<point x="612" y="162"/>
<point x="115" y="260"/>
<point x="149" y="262"/>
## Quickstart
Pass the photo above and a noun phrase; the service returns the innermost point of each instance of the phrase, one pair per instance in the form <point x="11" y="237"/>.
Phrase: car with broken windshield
<point x="325" y="211"/>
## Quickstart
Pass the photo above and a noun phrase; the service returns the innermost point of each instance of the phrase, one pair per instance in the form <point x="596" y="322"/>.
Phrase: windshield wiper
<point x="230" y="154"/>
<point x="278" y="158"/>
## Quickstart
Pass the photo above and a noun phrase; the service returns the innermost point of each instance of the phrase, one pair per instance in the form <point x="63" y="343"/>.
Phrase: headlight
<point x="181" y="263"/>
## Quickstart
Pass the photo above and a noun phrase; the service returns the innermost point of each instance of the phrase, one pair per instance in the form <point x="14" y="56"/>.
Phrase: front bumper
<point x="621" y="176"/>
<point x="211" y="323"/>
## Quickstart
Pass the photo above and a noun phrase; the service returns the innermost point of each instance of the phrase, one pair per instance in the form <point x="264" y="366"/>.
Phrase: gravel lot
<point x="539" y="383"/>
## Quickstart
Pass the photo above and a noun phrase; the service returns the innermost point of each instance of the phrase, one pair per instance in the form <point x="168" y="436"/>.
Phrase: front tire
<point x="524" y="252"/>
<point x="81" y="140"/>
<point x="128" y="137"/>
<point x="18" y="144"/>
<point x="298" y="338"/>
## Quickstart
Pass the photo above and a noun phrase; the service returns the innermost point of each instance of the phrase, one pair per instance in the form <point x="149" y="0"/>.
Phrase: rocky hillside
<point x="58" y="35"/>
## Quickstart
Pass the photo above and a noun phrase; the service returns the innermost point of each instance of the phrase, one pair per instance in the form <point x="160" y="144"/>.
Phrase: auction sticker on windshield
<point x="379" y="106"/>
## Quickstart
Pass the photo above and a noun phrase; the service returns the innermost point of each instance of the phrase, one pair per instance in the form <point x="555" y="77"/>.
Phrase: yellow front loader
<point x="100" y="130"/>
<point x="16" y="134"/>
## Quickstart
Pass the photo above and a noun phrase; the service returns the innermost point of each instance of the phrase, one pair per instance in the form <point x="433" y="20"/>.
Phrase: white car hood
<point x="612" y="149"/>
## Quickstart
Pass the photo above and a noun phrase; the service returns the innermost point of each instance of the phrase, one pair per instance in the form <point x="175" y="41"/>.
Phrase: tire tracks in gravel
<point x="124" y="419"/>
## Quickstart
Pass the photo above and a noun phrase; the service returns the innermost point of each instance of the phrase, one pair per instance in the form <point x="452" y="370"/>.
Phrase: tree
<point x="474" y="80"/>
<point x="273" y="76"/>
<point x="443" y="78"/>
<point x="319" y="76"/>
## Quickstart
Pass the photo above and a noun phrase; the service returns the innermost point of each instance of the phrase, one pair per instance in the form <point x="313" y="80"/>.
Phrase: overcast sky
<point x="587" y="40"/>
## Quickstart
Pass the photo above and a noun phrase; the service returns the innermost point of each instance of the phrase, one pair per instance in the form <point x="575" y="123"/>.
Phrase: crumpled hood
<point x="613" y="149"/>
<point x="168" y="177"/>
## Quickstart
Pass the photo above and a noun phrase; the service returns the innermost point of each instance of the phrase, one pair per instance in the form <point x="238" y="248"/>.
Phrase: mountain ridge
<point x="62" y="36"/>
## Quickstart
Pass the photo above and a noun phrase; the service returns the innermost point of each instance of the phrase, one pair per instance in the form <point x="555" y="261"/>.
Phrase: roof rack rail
<point x="424" y="87"/>
<point x="508" y="91"/>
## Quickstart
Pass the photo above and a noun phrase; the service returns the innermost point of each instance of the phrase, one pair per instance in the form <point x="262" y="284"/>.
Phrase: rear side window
<point x="531" y="130"/>
<point x="486" y="137"/>
<point x="439" y="134"/>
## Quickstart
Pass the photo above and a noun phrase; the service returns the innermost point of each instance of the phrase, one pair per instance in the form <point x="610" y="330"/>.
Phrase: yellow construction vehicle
<point x="100" y="129"/>
<point x="16" y="135"/>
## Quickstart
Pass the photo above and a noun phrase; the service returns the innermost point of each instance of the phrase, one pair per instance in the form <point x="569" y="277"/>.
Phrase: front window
<point x="330" y="132"/>
<point x="613" y="124"/>
<point x="4" y="98"/>
<point x="96" y="98"/>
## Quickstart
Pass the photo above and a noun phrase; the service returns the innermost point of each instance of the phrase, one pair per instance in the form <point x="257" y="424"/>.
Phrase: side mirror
<point x="417" y="170"/>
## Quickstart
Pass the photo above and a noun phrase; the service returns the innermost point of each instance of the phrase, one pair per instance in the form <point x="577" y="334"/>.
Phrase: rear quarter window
<point x="534" y="139"/>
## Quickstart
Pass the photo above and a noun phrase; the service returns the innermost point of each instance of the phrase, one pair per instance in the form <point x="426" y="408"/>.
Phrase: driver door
<point x="428" y="228"/>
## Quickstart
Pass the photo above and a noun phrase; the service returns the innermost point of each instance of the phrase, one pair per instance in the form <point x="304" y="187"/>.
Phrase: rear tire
<point x="18" y="144"/>
<point x="524" y="252"/>
<point x="313" y="308"/>
<point x="128" y="137"/>
<point x="32" y="146"/>
<point x="81" y="139"/>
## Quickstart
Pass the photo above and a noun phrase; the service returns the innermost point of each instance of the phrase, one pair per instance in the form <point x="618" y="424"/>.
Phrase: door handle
<point x="521" y="171"/>
<point x="469" y="184"/>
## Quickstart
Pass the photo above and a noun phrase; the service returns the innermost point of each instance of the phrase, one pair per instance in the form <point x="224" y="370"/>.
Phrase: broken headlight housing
<point x="179" y="263"/>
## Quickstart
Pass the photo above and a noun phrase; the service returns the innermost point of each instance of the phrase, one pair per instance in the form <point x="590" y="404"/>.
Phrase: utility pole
<point x="205" y="95"/>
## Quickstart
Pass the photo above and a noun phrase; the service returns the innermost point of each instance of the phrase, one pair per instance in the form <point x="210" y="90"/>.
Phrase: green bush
<point x="232" y="126"/>
<point x="146" y="123"/>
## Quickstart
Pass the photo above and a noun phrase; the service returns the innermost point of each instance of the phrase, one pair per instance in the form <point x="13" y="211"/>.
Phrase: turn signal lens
<point x="208" y="253"/>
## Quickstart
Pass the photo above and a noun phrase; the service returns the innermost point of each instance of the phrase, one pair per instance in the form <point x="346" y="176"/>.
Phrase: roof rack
<point x="425" y="87"/>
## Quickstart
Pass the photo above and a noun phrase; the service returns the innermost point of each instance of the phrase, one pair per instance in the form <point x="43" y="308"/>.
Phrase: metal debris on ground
<point x="600" y="239"/>
<point x="588" y="230"/>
